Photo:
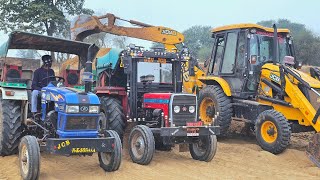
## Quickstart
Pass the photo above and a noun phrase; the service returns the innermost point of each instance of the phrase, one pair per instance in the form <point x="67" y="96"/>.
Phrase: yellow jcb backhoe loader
<point x="252" y="76"/>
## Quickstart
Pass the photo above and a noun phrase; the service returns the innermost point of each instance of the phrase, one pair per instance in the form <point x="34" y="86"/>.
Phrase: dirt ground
<point x="238" y="157"/>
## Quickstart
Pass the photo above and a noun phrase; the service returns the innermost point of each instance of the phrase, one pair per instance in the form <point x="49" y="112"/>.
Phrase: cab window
<point x="218" y="55"/>
<point x="228" y="64"/>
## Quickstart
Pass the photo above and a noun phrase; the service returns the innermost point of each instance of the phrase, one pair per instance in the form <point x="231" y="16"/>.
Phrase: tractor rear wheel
<point x="112" y="112"/>
<point x="10" y="126"/>
<point x="141" y="145"/>
<point x="111" y="161"/>
<point x="273" y="131"/>
<point x="205" y="149"/>
<point x="213" y="101"/>
<point x="29" y="158"/>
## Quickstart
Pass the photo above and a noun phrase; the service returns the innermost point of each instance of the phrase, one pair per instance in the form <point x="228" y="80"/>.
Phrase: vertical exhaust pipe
<point x="92" y="50"/>
<point x="275" y="45"/>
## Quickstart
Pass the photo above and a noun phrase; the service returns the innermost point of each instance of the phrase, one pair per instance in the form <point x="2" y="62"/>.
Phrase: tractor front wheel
<point x="272" y="131"/>
<point x="29" y="158"/>
<point x="111" y="161"/>
<point x="205" y="149"/>
<point x="141" y="145"/>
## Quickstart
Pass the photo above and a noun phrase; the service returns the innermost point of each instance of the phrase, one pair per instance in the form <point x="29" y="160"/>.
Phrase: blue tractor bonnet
<point x="69" y="95"/>
<point x="109" y="60"/>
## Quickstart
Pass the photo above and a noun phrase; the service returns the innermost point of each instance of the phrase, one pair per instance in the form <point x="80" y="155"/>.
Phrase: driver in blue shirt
<point x="41" y="78"/>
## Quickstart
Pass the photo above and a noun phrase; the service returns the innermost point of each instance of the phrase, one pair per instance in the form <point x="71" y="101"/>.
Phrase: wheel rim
<point x="102" y="118"/>
<point x="269" y="132"/>
<point x="207" y="110"/>
<point x="24" y="159"/>
<point x="138" y="145"/>
<point x="106" y="158"/>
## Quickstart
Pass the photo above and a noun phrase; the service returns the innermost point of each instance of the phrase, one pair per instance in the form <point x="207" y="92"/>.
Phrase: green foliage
<point x="204" y="53"/>
<point x="198" y="40"/>
<point x="29" y="54"/>
<point x="39" y="16"/>
<point x="305" y="41"/>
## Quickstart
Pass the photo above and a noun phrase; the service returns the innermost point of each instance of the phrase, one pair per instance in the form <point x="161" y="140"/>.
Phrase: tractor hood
<point x="68" y="95"/>
<point x="272" y="71"/>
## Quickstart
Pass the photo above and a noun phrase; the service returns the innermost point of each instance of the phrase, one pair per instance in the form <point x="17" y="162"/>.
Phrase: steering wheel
<point x="57" y="77"/>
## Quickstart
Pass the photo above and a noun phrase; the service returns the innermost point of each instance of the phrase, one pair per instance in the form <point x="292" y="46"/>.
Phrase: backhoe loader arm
<point x="85" y="25"/>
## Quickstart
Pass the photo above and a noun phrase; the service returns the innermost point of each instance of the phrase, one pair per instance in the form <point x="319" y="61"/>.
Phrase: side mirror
<point x="288" y="60"/>
<point x="253" y="59"/>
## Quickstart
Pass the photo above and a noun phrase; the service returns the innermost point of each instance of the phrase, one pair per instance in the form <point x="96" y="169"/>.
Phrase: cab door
<point x="229" y="59"/>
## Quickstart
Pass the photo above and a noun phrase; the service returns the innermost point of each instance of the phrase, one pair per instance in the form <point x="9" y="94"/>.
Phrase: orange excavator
<point x="85" y="25"/>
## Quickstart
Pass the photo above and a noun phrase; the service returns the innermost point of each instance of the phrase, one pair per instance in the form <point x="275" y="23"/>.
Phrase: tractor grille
<point x="81" y="123"/>
<point x="184" y="102"/>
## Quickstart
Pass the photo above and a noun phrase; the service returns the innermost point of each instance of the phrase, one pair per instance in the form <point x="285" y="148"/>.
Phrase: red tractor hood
<point x="158" y="98"/>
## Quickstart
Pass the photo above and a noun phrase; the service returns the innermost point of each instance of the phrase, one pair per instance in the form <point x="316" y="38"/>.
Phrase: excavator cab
<point x="253" y="77"/>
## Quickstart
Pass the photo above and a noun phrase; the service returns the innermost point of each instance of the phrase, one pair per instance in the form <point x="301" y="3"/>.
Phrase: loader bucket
<point x="313" y="149"/>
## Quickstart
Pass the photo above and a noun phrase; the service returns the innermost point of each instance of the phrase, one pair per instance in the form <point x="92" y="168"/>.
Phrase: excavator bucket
<point x="83" y="26"/>
<point x="313" y="149"/>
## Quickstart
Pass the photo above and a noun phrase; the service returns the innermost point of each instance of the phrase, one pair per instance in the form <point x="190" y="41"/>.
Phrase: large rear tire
<point x="10" y="126"/>
<point x="29" y="158"/>
<point x="141" y="145"/>
<point x="112" y="112"/>
<point x="213" y="101"/>
<point x="111" y="161"/>
<point x="205" y="149"/>
<point x="273" y="131"/>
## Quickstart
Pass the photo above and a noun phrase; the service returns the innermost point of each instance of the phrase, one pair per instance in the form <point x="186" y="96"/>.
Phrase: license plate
<point x="192" y="131"/>
<point x="199" y="123"/>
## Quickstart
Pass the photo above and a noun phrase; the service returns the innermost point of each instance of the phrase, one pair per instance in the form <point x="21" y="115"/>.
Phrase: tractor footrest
<point x="187" y="131"/>
<point x="70" y="146"/>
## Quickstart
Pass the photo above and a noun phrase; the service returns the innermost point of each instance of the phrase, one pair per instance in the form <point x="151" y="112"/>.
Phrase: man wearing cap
<point x="40" y="80"/>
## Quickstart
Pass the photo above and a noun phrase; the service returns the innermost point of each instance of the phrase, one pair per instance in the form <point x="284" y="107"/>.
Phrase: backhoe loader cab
<point x="240" y="51"/>
<point x="253" y="76"/>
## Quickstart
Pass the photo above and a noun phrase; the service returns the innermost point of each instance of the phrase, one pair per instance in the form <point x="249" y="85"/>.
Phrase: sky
<point x="182" y="14"/>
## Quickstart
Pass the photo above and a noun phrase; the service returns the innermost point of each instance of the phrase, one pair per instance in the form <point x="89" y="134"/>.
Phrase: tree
<point x="305" y="41"/>
<point x="28" y="54"/>
<point x="198" y="40"/>
<point x="40" y="16"/>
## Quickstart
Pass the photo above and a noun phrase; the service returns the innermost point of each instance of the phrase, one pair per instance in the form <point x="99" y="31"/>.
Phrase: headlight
<point x="176" y="109"/>
<point x="192" y="109"/>
<point x="94" y="109"/>
<point x="72" y="109"/>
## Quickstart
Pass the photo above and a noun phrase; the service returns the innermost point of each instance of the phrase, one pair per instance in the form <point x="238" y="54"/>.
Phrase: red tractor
<point x="144" y="87"/>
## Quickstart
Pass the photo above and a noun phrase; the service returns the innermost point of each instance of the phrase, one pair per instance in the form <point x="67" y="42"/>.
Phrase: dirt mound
<point x="238" y="157"/>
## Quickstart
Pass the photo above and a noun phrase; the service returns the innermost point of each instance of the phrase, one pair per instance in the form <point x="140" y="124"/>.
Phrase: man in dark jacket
<point x="40" y="80"/>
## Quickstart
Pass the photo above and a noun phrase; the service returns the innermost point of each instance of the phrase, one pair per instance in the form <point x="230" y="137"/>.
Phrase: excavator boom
<point x="85" y="25"/>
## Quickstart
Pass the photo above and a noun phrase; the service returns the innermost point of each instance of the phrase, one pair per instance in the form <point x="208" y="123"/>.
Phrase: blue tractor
<point x="68" y="119"/>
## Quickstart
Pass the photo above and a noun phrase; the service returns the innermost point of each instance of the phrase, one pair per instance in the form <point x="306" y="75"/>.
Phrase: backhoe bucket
<point x="313" y="149"/>
<point x="83" y="26"/>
